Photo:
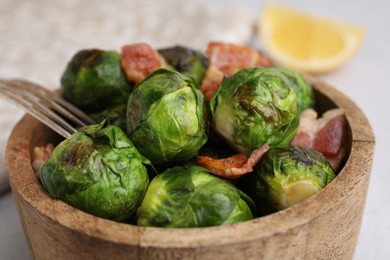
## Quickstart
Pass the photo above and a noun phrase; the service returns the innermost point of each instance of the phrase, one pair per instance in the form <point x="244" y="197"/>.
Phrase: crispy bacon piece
<point x="40" y="155"/>
<point x="211" y="81"/>
<point x="234" y="166"/>
<point x="230" y="58"/>
<point x="225" y="60"/>
<point x="326" y="134"/>
<point x="139" y="60"/>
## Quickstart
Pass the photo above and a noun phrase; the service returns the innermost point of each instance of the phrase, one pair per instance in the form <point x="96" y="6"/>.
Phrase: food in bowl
<point x="285" y="176"/>
<point x="325" y="225"/>
<point x="167" y="95"/>
<point x="253" y="107"/>
<point x="173" y="119"/>
<point x="189" y="196"/>
<point x="94" y="80"/>
<point x="99" y="171"/>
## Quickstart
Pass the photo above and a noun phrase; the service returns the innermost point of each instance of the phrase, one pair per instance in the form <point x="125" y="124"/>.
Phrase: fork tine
<point x="32" y="110"/>
<point x="64" y="112"/>
<point x="59" y="104"/>
<point x="45" y="105"/>
<point x="48" y="112"/>
<point x="76" y="113"/>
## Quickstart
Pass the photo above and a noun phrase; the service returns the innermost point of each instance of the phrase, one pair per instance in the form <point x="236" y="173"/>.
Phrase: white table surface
<point x="366" y="79"/>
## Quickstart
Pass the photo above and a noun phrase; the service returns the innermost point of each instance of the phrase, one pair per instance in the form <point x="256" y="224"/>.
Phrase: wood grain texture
<point x="324" y="226"/>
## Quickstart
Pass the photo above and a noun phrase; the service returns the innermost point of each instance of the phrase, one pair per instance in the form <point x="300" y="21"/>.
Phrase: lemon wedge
<point x="306" y="42"/>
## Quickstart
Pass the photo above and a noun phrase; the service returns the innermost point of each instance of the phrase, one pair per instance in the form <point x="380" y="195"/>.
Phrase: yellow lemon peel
<point x="306" y="42"/>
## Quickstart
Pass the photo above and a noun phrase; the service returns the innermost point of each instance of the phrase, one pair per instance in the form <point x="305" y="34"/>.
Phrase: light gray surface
<point x="365" y="79"/>
<point x="13" y="244"/>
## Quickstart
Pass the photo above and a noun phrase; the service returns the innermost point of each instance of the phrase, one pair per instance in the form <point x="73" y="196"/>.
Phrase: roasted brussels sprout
<point x="303" y="89"/>
<point x="287" y="175"/>
<point x="253" y="107"/>
<point x="93" y="81"/>
<point x="190" y="196"/>
<point x="166" y="117"/>
<point x="99" y="171"/>
<point x="189" y="62"/>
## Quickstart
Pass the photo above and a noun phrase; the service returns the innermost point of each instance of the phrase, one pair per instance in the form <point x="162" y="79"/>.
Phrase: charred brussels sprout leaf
<point x="191" y="197"/>
<point x="166" y="117"/>
<point x="253" y="107"/>
<point x="287" y="175"/>
<point x="93" y="81"/>
<point x="304" y="91"/>
<point x="191" y="63"/>
<point x="99" y="171"/>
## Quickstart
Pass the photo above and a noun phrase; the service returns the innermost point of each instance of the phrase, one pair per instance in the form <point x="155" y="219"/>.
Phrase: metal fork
<point x="46" y="106"/>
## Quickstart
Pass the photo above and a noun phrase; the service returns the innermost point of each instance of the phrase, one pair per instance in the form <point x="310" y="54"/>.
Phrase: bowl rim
<point x="18" y="159"/>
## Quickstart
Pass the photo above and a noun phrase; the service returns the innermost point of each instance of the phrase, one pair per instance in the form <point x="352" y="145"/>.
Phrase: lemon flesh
<point x="305" y="42"/>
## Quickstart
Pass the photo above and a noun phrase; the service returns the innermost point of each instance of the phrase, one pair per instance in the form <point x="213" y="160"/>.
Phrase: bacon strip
<point x="326" y="134"/>
<point x="40" y="155"/>
<point x="211" y="82"/>
<point x="230" y="58"/>
<point x="234" y="166"/>
<point x="139" y="60"/>
<point x="225" y="60"/>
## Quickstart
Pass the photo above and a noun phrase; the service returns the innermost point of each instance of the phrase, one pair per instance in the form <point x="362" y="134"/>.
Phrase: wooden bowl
<point x="325" y="226"/>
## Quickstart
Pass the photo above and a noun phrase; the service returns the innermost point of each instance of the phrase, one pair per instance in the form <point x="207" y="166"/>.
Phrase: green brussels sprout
<point x="98" y="170"/>
<point x="287" y="175"/>
<point x="93" y="81"/>
<point x="189" y="62"/>
<point x="114" y="116"/>
<point x="253" y="107"/>
<point x="189" y="196"/>
<point x="303" y="89"/>
<point x="166" y="117"/>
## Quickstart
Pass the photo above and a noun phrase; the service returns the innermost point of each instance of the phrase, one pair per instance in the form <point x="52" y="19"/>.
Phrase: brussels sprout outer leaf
<point x="253" y="107"/>
<point x="191" y="63"/>
<point x="302" y="88"/>
<point x="93" y="81"/>
<point x="99" y="171"/>
<point x="166" y="117"/>
<point x="191" y="197"/>
<point x="291" y="174"/>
